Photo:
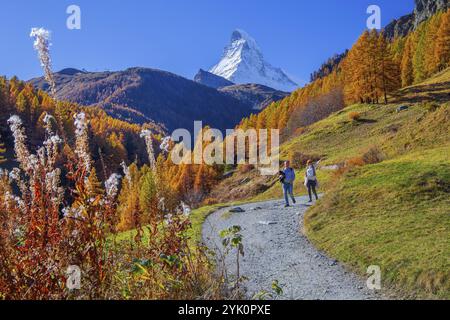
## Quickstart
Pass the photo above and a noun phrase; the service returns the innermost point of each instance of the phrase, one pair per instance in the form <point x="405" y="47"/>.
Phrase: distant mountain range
<point x="148" y="95"/>
<point x="243" y="63"/>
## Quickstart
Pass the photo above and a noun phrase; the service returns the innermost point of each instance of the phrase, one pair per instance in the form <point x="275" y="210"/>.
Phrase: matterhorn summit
<point x="243" y="62"/>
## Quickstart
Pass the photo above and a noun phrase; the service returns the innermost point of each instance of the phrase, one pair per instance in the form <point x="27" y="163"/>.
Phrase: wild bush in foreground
<point x="41" y="236"/>
<point x="48" y="226"/>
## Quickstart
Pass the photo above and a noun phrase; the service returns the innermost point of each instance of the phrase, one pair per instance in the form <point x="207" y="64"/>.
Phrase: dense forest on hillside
<point x="113" y="141"/>
<point x="328" y="67"/>
<point x="72" y="179"/>
<point x="373" y="69"/>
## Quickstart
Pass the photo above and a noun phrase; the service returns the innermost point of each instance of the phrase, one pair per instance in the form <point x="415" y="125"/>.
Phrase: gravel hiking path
<point x="275" y="249"/>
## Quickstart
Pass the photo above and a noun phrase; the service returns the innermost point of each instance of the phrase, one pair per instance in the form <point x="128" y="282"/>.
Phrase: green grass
<point x="394" y="214"/>
<point x="128" y="236"/>
<point x="197" y="218"/>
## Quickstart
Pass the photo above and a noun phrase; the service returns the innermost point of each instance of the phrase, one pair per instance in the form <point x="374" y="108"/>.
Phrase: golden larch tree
<point x="442" y="48"/>
<point x="407" y="72"/>
<point x="388" y="70"/>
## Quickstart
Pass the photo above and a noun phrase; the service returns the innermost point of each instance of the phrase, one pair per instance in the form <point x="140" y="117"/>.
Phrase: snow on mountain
<point x="243" y="62"/>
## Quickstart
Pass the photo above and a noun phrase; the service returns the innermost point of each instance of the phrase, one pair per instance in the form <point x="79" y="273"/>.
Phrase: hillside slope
<point x="393" y="214"/>
<point x="388" y="203"/>
<point x="337" y="138"/>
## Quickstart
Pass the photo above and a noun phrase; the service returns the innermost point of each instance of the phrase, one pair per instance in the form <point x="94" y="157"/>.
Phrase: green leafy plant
<point x="232" y="239"/>
<point x="276" y="291"/>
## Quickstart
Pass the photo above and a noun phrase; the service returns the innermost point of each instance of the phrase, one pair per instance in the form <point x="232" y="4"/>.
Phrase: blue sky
<point x="182" y="36"/>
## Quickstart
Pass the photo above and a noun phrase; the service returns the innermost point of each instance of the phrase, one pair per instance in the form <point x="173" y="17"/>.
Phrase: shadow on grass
<point x="436" y="92"/>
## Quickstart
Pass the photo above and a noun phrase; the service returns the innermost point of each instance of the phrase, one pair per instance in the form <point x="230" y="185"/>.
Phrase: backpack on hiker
<point x="311" y="175"/>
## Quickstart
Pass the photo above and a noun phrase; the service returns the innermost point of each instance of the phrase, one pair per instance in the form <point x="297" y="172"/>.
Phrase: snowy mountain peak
<point x="243" y="62"/>
<point x="241" y="36"/>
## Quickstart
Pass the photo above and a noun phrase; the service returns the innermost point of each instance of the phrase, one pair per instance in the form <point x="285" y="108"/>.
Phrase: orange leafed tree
<point x="442" y="48"/>
<point x="407" y="75"/>
<point x="388" y="71"/>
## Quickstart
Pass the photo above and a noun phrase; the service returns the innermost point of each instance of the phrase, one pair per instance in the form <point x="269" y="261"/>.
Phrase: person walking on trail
<point x="287" y="178"/>
<point x="311" y="179"/>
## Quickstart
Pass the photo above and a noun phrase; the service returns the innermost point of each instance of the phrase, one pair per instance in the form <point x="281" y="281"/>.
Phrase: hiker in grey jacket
<point x="287" y="179"/>
<point x="311" y="179"/>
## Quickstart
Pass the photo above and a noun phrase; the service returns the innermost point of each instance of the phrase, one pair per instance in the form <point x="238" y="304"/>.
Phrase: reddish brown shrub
<point x="354" y="116"/>
<point x="355" y="162"/>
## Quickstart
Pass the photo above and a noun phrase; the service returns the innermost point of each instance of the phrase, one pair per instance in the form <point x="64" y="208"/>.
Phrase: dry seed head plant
<point x="48" y="226"/>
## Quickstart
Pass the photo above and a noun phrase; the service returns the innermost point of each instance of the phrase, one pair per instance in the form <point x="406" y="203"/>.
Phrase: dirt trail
<point x="276" y="250"/>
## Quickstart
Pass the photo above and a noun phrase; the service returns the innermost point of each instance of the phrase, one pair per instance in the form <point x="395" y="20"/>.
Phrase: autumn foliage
<point x="372" y="70"/>
<point x="64" y="202"/>
<point x="354" y="116"/>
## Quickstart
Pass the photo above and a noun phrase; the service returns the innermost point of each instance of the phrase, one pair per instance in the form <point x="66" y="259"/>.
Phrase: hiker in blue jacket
<point x="287" y="178"/>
